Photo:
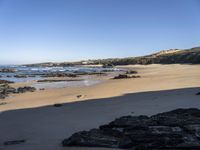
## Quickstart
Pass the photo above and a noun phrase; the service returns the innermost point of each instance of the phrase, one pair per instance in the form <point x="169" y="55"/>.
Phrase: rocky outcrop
<point x="25" y="89"/>
<point x="5" y="82"/>
<point x="14" y="142"/>
<point x="131" y="72"/>
<point x="178" y="129"/>
<point x="125" y="76"/>
<point x="80" y="73"/>
<point x="20" y="76"/>
<point x="8" y="70"/>
<point x="59" y="74"/>
<point x="6" y="89"/>
<point x="56" y="80"/>
<point x="58" y="105"/>
<point x="108" y="66"/>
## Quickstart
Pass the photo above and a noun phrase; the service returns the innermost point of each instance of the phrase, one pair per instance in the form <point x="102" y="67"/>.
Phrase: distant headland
<point x="171" y="56"/>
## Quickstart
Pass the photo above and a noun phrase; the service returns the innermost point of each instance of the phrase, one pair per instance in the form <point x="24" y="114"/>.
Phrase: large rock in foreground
<point x="178" y="129"/>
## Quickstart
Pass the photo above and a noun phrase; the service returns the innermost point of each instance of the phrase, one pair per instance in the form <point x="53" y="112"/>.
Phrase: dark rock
<point x="94" y="138"/>
<point x="7" y="70"/>
<point x="126" y="121"/>
<point x="178" y="117"/>
<point x="78" y="73"/>
<point x="79" y="96"/>
<point x="31" y="76"/>
<point x="3" y="103"/>
<point x="170" y="148"/>
<point x="194" y="129"/>
<point x="3" y="96"/>
<point x="5" y="81"/>
<point x="5" y="90"/>
<point x="125" y="76"/>
<point x="56" y="80"/>
<point x="20" y="76"/>
<point x="10" y="90"/>
<point x="198" y="93"/>
<point x="58" y="105"/>
<point x="58" y="74"/>
<point x="25" y="89"/>
<point x="107" y="66"/>
<point x="177" y="129"/>
<point x="14" y="142"/>
<point x="131" y="72"/>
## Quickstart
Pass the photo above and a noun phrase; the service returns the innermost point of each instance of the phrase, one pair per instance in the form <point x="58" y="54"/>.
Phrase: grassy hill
<point x="172" y="56"/>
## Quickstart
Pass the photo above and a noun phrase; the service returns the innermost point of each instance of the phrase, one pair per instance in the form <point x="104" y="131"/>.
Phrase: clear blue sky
<point x="68" y="30"/>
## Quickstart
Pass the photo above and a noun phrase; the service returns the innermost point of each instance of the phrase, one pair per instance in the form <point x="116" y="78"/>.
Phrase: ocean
<point x="37" y="73"/>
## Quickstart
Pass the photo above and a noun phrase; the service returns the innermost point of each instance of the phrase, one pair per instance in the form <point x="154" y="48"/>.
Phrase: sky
<point x="34" y="31"/>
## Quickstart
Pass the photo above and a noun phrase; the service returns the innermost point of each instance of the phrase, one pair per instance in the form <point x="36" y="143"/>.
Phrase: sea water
<point x="38" y="72"/>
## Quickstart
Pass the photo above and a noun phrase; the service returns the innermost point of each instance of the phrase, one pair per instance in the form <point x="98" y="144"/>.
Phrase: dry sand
<point x="160" y="88"/>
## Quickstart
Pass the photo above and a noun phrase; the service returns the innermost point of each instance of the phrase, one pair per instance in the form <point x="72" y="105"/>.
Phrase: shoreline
<point x="153" y="78"/>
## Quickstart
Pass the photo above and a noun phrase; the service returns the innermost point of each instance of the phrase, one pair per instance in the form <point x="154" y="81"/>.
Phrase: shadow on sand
<point x="45" y="127"/>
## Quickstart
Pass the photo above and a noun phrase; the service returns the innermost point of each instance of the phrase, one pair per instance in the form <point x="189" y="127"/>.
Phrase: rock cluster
<point x="125" y="76"/>
<point x="131" y="72"/>
<point x="6" y="89"/>
<point x="7" y="70"/>
<point x="53" y="80"/>
<point x="177" y="129"/>
<point x="20" y="76"/>
<point x="5" y="82"/>
<point x="58" y="74"/>
<point x="25" y="89"/>
<point x="103" y="72"/>
<point x="107" y="65"/>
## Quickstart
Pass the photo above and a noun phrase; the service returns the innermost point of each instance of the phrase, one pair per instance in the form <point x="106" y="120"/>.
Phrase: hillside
<point x="172" y="56"/>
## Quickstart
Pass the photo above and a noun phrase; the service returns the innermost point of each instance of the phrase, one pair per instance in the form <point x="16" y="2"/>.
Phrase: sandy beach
<point x="99" y="75"/>
<point x="31" y="116"/>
